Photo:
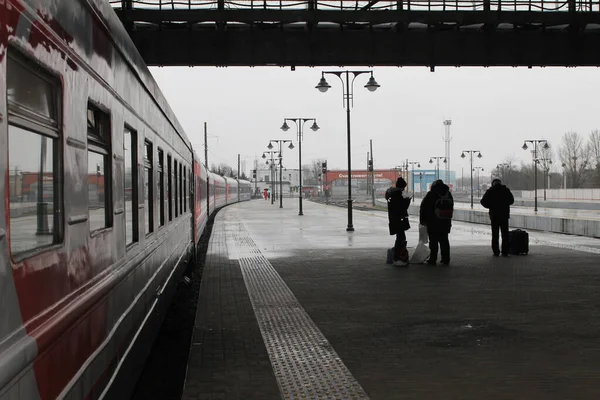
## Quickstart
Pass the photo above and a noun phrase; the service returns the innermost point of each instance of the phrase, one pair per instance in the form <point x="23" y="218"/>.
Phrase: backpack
<point x="444" y="206"/>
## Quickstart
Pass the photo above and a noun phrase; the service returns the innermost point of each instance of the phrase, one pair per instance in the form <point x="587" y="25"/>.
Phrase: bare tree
<point x="222" y="169"/>
<point x="316" y="168"/>
<point x="306" y="173"/>
<point x="594" y="150"/>
<point x="574" y="156"/>
<point x="505" y="169"/>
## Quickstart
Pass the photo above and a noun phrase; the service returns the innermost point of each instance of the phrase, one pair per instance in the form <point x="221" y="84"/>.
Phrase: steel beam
<point x="415" y="47"/>
<point x="367" y="17"/>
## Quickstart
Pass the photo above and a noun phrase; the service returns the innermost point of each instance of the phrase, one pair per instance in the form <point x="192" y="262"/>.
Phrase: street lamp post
<point x="280" y="143"/>
<point x="437" y="168"/>
<point x="412" y="177"/>
<point x="546" y="162"/>
<point x="535" y="142"/>
<point x="471" y="152"/>
<point x="348" y="94"/>
<point x="271" y="170"/>
<point x="479" y="169"/>
<point x="299" y="126"/>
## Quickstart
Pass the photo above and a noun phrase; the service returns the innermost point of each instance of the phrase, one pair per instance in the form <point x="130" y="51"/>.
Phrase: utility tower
<point x="447" y="124"/>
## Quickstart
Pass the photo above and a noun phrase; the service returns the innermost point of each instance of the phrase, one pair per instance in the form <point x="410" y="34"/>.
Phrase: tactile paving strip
<point x="305" y="364"/>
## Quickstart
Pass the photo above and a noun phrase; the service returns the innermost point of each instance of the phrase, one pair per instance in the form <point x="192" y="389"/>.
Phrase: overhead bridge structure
<point x="394" y="33"/>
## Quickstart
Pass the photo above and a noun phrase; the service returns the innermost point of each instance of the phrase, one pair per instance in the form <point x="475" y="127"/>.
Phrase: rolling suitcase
<point x="390" y="256"/>
<point x="519" y="242"/>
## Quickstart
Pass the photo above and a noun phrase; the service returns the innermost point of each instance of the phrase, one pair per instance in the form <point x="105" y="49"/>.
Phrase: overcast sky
<point x="492" y="110"/>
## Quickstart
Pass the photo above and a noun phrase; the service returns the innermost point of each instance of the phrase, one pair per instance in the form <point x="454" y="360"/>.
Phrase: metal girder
<point x="415" y="47"/>
<point x="367" y="17"/>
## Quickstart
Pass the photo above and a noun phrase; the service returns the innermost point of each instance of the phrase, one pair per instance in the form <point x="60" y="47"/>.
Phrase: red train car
<point x="105" y="211"/>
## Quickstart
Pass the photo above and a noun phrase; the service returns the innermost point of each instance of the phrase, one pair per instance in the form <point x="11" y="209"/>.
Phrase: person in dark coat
<point x="498" y="199"/>
<point x="398" y="220"/>
<point x="436" y="214"/>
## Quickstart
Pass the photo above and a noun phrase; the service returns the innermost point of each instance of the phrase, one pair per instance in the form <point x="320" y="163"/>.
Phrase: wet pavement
<point x="330" y="319"/>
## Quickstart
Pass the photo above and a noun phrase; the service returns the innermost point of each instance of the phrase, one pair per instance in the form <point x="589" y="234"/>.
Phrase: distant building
<point x="265" y="178"/>
<point x="337" y="180"/>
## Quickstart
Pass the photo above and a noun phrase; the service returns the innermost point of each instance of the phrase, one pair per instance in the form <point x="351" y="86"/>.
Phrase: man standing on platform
<point x="498" y="199"/>
<point x="436" y="214"/>
<point x="398" y="220"/>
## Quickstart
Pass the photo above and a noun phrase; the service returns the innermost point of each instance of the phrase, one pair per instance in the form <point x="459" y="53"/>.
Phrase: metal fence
<point x="353" y="5"/>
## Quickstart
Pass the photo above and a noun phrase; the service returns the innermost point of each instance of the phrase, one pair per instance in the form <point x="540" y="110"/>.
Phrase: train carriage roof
<point x="129" y="52"/>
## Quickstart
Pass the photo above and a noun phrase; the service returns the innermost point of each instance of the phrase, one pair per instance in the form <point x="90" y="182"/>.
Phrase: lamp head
<point x="291" y="146"/>
<point x="285" y="126"/>
<point x="372" y="85"/>
<point x="264" y="156"/>
<point x="419" y="165"/>
<point x="323" y="86"/>
<point x="444" y="161"/>
<point x="479" y="155"/>
<point x="430" y="161"/>
<point x="270" y="146"/>
<point x="524" y="146"/>
<point x="462" y="155"/>
<point x="546" y="145"/>
<point x="314" y="126"/>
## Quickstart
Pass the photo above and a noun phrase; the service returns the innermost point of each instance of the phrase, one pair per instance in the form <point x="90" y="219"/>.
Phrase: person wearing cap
<point x="436" y="214"/>
<point x="398" y="220"/>
<point x="498" y="199"/>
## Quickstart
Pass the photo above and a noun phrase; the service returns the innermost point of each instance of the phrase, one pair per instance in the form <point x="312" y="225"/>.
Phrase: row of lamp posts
<point x="271" y="166"/>
<point x="300" y="135"/>
<point x="347" y="78"/>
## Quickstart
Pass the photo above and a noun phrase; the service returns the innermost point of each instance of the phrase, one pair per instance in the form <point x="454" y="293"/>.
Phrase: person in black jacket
<point x="436" y="214"/>
<point x="498" y="199"/>
<point x="398" y="220"/>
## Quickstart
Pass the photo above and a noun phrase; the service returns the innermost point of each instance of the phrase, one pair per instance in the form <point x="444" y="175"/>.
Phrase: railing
<point x="352" y="5"/>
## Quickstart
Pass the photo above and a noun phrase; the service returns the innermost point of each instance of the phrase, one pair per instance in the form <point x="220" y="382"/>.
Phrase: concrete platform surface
<point x="294" y="307"/>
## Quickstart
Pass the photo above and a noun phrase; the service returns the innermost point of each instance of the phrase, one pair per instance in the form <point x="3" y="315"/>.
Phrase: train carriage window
<point x="191" y="189"/>
<point x="148" y="188"/>
<point x="131" y="186"/>
<point x="161" y="188"/>
<point x="99" y="168"/>
<point x="170" y="187"/>
<point x="185" y="192"/>
<point x="175" y="188"/>
<point x="34" y="141"/>
<point x="181" y="193"/>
